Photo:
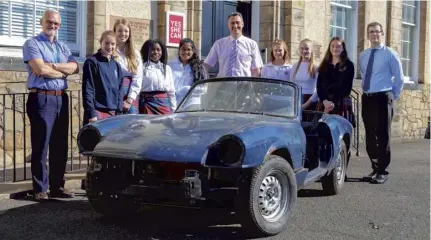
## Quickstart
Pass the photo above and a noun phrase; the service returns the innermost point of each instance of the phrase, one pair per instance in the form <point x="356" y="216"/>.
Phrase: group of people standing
<point x="119" y="79"/>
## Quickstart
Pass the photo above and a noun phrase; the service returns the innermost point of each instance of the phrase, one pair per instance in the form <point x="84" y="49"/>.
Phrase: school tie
<point x="367" y="78"/>
<point x="232" y="58"/>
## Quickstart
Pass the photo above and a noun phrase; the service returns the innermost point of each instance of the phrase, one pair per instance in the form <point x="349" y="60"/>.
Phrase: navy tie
<point x="367" y="78"/>
<point x="232" y="58"/>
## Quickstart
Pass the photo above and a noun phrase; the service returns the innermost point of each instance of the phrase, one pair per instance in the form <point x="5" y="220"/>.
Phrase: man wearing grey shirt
<point x="379" y="65"/>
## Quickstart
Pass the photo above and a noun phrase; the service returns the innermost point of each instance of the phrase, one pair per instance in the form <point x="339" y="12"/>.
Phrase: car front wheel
<point x="269" y="198"/>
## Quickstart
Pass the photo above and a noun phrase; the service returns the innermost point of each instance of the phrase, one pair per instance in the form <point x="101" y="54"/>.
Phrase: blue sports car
<point x="242" y="142"/>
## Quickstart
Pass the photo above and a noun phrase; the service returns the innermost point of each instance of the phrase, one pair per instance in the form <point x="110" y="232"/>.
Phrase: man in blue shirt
<point x="382" y="83"/>
<point x="49" y="62"/>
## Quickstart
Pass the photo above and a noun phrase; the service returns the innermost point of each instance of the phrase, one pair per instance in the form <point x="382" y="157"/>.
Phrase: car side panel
<point x="338" y="126"/>
<point x="262" y="139"/>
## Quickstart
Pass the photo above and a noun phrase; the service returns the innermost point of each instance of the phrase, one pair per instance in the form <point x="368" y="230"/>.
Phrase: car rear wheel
<point x="334" y="182"/>
<point x="269" y="199"/>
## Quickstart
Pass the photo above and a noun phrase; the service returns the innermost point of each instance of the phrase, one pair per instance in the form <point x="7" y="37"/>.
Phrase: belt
<point x="46" y="92"/>
<point x="375" y="93"/>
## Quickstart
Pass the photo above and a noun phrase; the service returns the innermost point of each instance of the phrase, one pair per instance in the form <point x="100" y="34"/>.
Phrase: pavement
<point x="398" y="209"/>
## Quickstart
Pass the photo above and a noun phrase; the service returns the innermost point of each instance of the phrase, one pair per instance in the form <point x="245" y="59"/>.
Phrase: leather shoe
<point x="379" y="179"/>
<point x="61" y="193"/>
<point x="371" y="176"/>
<point x="41" y="196"/>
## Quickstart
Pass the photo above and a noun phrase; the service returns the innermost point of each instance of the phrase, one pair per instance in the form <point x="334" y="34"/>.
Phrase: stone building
<point x="406" y="26"/>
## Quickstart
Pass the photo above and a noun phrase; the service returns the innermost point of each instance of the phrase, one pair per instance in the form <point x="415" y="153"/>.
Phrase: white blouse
<point x="153" y="80"/>
<point x="280" y="72"/>
<point x="137" y="78"/>
<point x="304" y="79"/>
<point x="183" y="80"/>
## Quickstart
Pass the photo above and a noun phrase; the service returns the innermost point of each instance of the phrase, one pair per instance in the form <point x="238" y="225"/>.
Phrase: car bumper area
<point x="191" y="190"/>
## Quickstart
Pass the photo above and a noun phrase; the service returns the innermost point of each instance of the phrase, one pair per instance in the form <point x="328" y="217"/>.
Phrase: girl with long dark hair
<point x="157" y="93"/>
<point x="334" y="83"/>
<point x="187" y="68"/>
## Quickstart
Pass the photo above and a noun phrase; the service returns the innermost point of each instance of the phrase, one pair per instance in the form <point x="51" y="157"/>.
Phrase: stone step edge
<point x="22" y="188"/>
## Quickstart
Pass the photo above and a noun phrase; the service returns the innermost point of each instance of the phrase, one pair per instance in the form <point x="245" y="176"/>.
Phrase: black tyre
<point x="267" y="202"/>
<point x="334" y="182"/>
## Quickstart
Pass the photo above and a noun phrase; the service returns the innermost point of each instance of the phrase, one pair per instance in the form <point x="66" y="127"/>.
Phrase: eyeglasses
<point x="374" y="32"/>
<point x="49" y="22"/>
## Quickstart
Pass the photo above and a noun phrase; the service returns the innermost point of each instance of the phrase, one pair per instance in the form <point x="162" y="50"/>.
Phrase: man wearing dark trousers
<point x="382" y="83"/>
<point x="49" y="62"/>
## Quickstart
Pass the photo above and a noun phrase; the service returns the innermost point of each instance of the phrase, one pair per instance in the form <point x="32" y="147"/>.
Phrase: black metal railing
<point x="355" y="102"/>
<point x="15" y="137"/>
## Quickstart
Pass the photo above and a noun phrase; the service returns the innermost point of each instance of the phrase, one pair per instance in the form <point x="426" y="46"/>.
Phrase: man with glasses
<point x="379" y="65"/>
<point x="236" y="54"/>
<point x="49" y="62"/>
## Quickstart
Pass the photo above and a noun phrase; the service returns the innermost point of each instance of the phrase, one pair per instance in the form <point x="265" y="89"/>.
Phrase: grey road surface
<point x="398" y="209"/>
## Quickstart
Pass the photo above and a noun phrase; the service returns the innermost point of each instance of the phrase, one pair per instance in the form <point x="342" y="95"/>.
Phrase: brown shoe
<point x="61" y="193"/>
<point x="41" y="196"/>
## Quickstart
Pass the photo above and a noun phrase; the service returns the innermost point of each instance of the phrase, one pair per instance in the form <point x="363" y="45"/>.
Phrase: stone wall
<point x="411" y="113"/>
<point x="15" y="123"/>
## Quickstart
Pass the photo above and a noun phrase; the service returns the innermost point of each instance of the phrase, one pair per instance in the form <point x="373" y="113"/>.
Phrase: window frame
<point x="413" y="77"/>
<point x="351" y="28"/>
<point x="11" y="46"/>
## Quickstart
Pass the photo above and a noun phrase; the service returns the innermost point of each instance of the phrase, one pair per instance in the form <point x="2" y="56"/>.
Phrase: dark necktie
<point x="367" y="78"/>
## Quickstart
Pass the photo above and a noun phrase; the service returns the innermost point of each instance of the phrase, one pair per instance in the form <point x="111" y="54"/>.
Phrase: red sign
<point x="175" y="28"/>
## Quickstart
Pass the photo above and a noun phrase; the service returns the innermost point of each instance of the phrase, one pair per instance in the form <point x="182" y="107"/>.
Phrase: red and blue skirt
<point x="154" y="103"/>
<point x="127" y="82"/>
<point x="100" y="114"/>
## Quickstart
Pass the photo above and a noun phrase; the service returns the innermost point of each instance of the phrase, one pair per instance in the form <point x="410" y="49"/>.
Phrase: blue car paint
<point x="123" y="136"/>
<point x="185" y="137"/>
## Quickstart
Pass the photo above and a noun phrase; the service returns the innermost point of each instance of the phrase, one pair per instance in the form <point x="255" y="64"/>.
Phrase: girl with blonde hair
<point x="304" y="73"/>
<point x="279" y="66"/>
<point x="131" y="64"/>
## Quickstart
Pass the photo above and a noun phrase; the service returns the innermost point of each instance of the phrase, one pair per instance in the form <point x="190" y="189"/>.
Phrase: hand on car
<point x="93" y="119"/>
<point x="329" y="106"/>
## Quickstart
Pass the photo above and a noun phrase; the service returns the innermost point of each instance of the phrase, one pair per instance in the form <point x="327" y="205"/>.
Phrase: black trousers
<point x="49" y="122"/>
<point x="377" y="114"/>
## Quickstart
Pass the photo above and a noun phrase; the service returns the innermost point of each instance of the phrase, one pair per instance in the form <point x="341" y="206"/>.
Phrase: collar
<point x="45" y="37"/>
<point x="158" y="65"/>
<point x="380" y="46"/>
<point x="100" y="56"/>
<point x="241" y="38"/>
<point x="270" y="64"/>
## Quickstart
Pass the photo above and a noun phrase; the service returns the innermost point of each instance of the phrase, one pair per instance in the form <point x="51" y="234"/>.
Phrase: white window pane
<point x="22" y="19"/>
<point x="67" y="31"/>
<point x="68" y="4"/>
<point x="408" y="14"/>
<point x="406" y="50"/>
<point x="406" y="67"/>
<point x="4" y="19"/>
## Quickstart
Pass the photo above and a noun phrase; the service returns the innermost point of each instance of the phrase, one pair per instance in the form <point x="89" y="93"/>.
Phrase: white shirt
<point x="304" y="79"/>
<point x="280" y="72"/>
<point x="183" y="80"/>
<point x="248" y="56"/>
<point x="153" y="80"/>
<point x="137" y="78"/>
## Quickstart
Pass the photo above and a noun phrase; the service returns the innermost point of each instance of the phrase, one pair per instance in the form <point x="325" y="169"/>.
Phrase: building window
<point x="409" y="39"/>
<point x="344" y="23"/>
<point x="19" y="20"/>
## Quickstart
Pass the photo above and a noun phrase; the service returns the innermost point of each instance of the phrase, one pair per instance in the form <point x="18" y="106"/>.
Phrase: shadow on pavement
<point x="75" y="219"/>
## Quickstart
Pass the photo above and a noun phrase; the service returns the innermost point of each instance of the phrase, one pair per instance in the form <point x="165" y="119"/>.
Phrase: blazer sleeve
<point x="320" y="86"/>
<point x="88" y="92"/>
<point x="347" y="82"/>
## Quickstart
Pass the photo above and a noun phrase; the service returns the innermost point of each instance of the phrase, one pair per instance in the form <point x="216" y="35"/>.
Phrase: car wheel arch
<point x="283" y="153"/>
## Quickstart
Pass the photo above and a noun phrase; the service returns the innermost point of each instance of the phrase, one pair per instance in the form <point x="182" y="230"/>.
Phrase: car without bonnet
<point x="235" y="142"/>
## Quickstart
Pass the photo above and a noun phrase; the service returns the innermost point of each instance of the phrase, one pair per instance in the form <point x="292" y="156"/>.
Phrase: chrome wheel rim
<point x="273" y="196"/>
<point x="339" y="169"/>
